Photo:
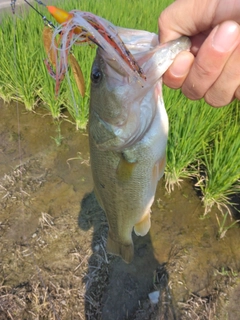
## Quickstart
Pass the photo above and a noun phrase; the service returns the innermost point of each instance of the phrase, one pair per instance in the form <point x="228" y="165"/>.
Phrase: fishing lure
<point x="107" y="31"/>
<point x="52" y="61"/>
<point x="62" y="16"/>
<point x="52" y="48"/>
<point x="78" y="27"/>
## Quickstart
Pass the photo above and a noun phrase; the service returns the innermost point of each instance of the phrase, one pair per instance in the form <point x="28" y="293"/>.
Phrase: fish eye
<point x="96" y="75"/>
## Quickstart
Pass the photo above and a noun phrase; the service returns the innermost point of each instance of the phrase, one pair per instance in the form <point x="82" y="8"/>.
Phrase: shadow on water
<point x="114" y="289"/>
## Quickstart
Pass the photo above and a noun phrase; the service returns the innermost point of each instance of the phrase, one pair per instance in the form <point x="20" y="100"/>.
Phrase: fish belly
<point x="125" y="184"/>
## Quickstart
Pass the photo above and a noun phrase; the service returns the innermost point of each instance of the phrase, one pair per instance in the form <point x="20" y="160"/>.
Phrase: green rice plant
<point x="223" y="228"/>
<point x="27" y="79"/>
<point x="128" y="14"/>
<point x="58" y="138"/>
<point x="6" y="88"/>
<point x="191" y="123"/>
<point x="19" y="68"/>
<point x="6" y="59"/>
<point x="5" y="91"/>
<point x="77" y="106"/>
<point x="47" y="94"/>
<point x="221" y="160"/>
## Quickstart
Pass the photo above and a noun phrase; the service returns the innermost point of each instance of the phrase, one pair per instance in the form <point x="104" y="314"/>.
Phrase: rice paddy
<point x="204" y="142"/>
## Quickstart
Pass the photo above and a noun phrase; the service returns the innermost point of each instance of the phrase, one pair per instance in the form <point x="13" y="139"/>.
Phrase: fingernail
<point x="180" y="66"/>
<point x="225" y="36"/>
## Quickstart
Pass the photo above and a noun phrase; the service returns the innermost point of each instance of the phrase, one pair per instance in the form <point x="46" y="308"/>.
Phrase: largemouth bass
<point x="128" y="124"/>
<point x="128" y="130"/>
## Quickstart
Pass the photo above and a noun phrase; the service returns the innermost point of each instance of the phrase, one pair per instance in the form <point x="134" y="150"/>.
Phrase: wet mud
<point x="53" y="262"/>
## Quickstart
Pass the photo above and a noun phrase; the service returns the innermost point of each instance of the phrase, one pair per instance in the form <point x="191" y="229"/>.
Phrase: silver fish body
<point x="128" y="129"/>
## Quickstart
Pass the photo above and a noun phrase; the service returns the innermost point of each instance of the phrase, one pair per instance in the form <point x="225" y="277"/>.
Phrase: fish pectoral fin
<point x="124" y="250"/>
<point x="125" y="169"/>
<point x="142" y="227"/>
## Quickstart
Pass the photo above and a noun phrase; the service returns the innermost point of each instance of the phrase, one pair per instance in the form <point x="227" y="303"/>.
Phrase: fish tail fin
<point x="142" y="227"/>
<point x="124" y="250"/>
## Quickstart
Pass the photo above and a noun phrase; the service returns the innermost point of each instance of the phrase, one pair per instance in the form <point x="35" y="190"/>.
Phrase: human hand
<point x="211" y="70"/>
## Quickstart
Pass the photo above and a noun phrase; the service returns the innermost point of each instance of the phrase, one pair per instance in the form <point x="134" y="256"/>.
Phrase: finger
<point x="226" y="86"/>
<point x="173" y="21"/>
<point x="188" y="17"/>
<point x="237" y="93"/>
<point x="211" y="59"/>
<point x="197" y="41"/>
<point x="227" y="10"/>
<point x="178" y="71"/>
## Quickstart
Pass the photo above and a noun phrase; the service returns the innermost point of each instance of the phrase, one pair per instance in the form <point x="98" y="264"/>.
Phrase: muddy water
<point x="53" y="263"/>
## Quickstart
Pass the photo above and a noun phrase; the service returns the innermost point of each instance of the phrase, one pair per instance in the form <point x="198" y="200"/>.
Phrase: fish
<point x="104" y="28"/>
<point x="128" y="131"/>
<point x="128" y="123"/>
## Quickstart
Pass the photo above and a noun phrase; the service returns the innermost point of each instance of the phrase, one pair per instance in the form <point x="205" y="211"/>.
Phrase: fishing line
<point x="41" y="3"/>
<point x="49" y="23"/>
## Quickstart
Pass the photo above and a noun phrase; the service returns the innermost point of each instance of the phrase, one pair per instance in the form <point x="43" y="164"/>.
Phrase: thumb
<point x="186" y="17"/>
